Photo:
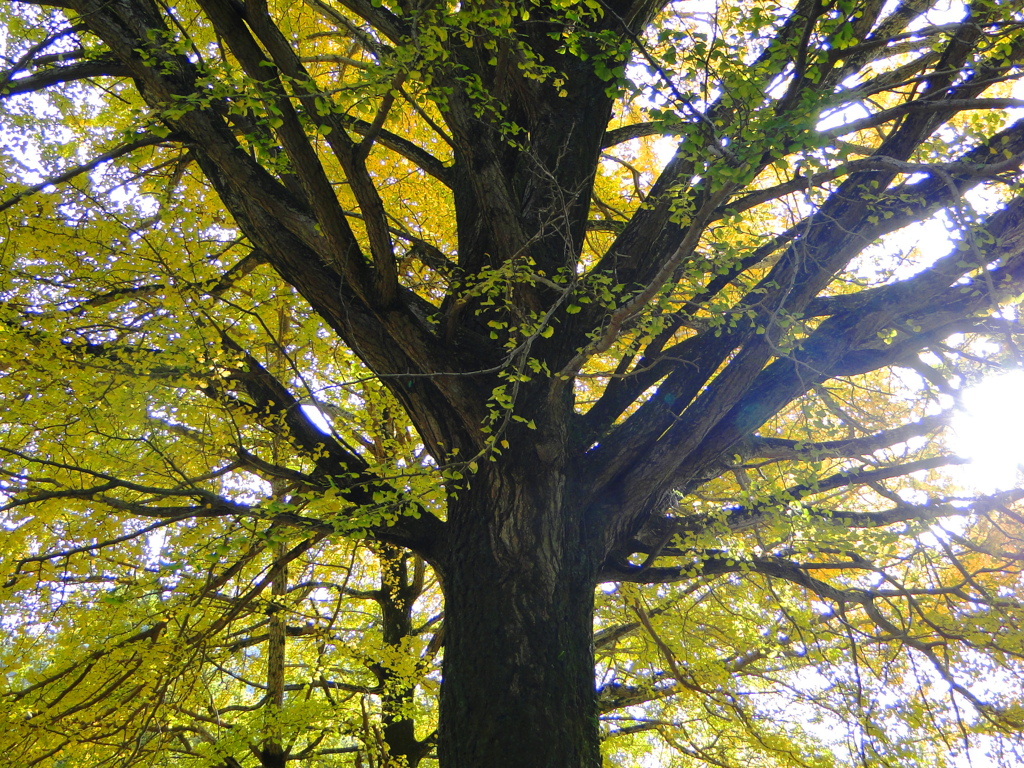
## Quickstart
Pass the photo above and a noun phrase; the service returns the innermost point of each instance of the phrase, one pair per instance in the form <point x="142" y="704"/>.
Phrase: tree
<point x="346" y="337"/>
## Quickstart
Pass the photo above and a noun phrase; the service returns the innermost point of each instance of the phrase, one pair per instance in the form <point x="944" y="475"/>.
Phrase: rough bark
<point x="519" y="664"/>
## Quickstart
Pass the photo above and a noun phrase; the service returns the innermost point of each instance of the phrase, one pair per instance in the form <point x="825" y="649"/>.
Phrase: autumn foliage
<point x="506" y="383"/>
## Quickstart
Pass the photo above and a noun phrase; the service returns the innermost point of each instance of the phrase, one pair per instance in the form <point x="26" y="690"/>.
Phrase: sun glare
<point x="990" y="431"/>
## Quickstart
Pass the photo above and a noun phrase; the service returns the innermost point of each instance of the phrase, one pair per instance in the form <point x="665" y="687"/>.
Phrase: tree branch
<point x="147" y="140"/>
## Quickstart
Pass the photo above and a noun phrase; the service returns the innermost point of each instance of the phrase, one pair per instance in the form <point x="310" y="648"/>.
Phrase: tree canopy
<point x="490" y="383"/>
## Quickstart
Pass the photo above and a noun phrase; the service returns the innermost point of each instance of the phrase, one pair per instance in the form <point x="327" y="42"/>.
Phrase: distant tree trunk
<point x="396" y="596"/>
<point x="273" y="753"/>
<point x="518" y="684"/>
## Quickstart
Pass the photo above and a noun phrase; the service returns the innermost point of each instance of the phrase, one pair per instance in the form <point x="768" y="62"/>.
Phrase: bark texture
<point x="519" y="594"/>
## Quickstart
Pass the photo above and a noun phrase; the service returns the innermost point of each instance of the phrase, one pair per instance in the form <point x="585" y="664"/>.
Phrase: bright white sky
<point x="990" y="431"/>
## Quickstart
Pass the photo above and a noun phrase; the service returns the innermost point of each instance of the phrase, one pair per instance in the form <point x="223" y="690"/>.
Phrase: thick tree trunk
<point x="518" y="684"/>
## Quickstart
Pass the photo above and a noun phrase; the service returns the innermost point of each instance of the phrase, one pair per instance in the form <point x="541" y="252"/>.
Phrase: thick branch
<point x="82" y="70"/>
<point x="756" y="447"/>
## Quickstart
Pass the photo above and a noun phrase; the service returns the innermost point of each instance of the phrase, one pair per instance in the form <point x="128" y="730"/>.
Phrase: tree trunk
<point x="396" y="596"/>
<point x="518" y="686"/>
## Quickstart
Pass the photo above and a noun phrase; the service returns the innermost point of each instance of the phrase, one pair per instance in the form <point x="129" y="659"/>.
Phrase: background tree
<point x="344" y="336"/>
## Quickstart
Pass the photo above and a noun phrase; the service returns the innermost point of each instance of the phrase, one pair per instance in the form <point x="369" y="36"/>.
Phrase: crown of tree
<point x="483" y="384"/>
